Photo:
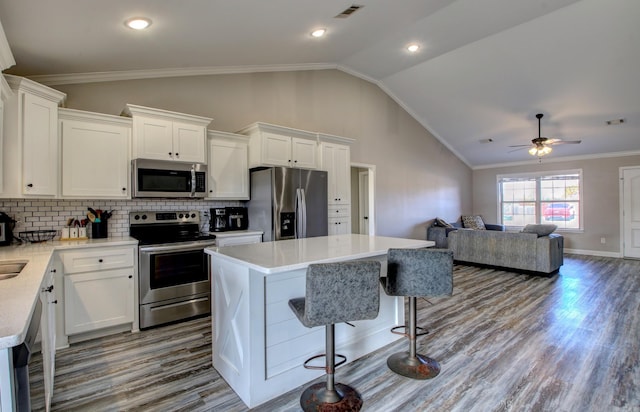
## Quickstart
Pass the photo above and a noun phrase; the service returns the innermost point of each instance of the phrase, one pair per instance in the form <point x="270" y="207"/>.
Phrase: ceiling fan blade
<point x="518" y="149"/>
<point x="565" y="142"/>
<point x="521" y="145"/>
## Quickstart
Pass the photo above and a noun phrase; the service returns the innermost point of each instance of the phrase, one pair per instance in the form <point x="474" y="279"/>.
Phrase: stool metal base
<point x="318" y="398"/>
<point x="418" y="367"/>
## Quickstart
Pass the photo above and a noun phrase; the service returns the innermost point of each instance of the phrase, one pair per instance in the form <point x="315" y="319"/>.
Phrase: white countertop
<point x="18" y="295"/>
<point x="286" y="255"/>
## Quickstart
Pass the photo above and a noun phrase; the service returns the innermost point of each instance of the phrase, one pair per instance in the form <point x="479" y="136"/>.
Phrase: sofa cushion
<point x="442" y="223"/>
<point x="473" y="222"/>
<point x="540" y="230"/>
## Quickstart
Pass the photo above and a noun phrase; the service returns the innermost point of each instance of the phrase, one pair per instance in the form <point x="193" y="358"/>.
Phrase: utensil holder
<point x="99" y="230"/>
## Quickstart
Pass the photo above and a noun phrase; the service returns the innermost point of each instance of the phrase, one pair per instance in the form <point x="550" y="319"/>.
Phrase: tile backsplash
<point x="40" y="214"/>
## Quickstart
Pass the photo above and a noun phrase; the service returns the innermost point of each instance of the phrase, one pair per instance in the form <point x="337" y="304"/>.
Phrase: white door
<point x="363" y="202"/>
<point x="153" y="138"/>
<point x="631" y="212"/>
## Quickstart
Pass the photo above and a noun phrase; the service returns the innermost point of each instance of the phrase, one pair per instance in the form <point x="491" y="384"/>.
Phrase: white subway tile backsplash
<point x="37" y="214"/>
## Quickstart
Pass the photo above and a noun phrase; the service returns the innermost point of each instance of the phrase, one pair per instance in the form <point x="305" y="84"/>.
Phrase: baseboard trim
<point x="593" y="253"/>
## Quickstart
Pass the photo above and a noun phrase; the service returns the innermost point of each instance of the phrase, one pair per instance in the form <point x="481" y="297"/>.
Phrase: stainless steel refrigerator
<point x="288" y="203"/>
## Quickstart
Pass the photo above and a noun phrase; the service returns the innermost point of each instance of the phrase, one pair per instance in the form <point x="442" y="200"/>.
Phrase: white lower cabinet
<point x="96" y="300"/>
<point x="48" y="298"/>
<point x="232" y="240"/>
<point x="99" y="288"/>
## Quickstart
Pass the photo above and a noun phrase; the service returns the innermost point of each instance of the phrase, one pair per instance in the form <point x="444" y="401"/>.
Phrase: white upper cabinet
<point x="335" y="158"/>
<point x="164" y="135"/>
<point x="272" y="145"/>
<point x="30" y="152"/>
<point x="228" y="166"/>
<point x="95" y="155"/>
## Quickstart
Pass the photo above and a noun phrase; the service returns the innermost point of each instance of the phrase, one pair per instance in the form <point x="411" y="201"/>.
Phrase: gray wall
<point x="417" y="178"/>
<point x="600" y="196"/>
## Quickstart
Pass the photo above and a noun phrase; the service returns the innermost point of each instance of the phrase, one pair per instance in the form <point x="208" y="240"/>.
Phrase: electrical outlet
<point x="603" y="240"/>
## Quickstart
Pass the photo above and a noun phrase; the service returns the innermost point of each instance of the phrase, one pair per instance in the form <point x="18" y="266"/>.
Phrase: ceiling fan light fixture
<point x="318" y="32"/>
<point x="540" y="151"/>
<point x="138" y="23"/>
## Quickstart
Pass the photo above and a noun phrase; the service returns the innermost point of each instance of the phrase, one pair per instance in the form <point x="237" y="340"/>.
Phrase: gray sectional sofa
<point x="513" y="250"/>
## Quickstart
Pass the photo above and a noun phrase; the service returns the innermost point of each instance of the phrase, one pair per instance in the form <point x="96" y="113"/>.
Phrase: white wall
<point x="600" y="198"/>
<point x="417" y="178"/>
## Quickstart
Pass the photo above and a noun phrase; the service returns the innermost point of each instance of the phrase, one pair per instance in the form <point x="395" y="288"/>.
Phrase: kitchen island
<point x="259" y="346"/>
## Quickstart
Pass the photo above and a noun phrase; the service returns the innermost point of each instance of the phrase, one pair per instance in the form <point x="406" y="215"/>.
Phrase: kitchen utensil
<point x="91" y="216"/>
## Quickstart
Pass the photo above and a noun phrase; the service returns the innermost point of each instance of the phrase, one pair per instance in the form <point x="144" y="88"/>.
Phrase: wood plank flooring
<point x="505" y="342"/>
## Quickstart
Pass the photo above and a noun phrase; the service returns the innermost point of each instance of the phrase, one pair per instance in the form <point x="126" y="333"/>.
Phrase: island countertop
<point x="286" y="255"/>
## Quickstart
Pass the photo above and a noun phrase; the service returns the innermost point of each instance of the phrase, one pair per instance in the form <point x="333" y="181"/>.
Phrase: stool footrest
<point x="343" y="359"/>
<point x="419" y="331"/>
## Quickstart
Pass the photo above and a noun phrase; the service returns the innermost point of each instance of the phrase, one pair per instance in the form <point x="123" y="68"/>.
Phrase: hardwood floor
<point x="505" y="342"/>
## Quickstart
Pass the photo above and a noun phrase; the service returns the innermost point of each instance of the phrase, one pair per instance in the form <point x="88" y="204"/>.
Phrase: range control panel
<point x="190" y="216"/>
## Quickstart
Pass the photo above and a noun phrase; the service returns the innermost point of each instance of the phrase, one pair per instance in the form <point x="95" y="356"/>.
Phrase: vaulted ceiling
<point x="483" y="70"/>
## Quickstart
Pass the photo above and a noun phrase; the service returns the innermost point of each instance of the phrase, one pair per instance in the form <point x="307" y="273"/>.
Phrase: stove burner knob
<point x="193" y="215"/>
<point x="181" y="215"/>
<point x="137" y="217"/>
<point x="144" y="217"/>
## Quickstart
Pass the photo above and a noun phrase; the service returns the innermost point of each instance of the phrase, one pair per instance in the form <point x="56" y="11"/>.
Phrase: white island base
<point x="259" y="346"/>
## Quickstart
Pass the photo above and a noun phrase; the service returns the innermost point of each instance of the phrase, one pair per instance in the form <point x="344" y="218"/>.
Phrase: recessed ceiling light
<point x="412" y="48"/>
<point x="138" y="23"/>
<point x="318" y="32"/>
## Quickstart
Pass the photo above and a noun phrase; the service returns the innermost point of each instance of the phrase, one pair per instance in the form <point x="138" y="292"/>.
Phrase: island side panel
<point x="231" y="324"/>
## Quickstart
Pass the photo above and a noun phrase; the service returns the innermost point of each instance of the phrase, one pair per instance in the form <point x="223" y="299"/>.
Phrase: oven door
<point x="173" y="271"/>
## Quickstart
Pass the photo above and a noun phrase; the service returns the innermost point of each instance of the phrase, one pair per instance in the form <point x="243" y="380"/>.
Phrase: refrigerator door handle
<point x="298" y="214"/>
<point x="303" y="197"/>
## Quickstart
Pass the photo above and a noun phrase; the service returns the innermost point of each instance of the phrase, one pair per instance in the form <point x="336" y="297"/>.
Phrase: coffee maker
<point x="218" y="220"/>
<point x="6" y="229"/>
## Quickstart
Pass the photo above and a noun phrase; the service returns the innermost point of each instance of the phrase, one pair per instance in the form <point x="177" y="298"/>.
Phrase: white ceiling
<point x="485" y="69"/>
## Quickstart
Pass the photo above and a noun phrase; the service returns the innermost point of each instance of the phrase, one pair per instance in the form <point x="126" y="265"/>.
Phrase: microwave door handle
<point x="193" y="181"/>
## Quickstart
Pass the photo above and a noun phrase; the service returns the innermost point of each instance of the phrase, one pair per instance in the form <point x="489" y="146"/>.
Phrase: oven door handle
<point x="176" y="247"/>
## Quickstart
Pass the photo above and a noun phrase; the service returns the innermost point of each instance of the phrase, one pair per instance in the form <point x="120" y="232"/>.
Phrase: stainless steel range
<point x="174" y="271"/>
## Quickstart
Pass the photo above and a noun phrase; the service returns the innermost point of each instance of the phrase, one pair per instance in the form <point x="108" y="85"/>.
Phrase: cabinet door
<point x="95" y="160"/>
<point x="328" y="164"/>
<point x="96" y="300"/>
<point x="153" y="138"/>
<point x="228" y="170"/>
<point x="339" y="226"/>
<point x="342" y="173"/>
<point x="40" y="146"/>
<point x="276" y="149"/>
<point x="48" y="333"/>
<point x="304" y="153"/>
<point x="189" y="142"/>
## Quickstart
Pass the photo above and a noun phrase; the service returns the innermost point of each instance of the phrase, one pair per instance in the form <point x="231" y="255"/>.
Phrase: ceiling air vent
<point x="349" y="11"/>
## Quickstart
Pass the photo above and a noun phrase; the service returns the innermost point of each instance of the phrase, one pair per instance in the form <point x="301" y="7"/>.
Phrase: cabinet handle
<point x="30" y="185"/>
<point x="48" y="289"/>
<point x="124" y="189"/>
<point x="100" y="260"/>
<point x="130" y="276"/>
<point x="177" y="154"/>
<point x="55" y="302"/>
<point x="170" y="154"/>
<point x="53" y="271"/>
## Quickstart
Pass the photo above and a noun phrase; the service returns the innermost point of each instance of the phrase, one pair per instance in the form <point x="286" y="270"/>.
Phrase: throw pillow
<point x="473" y="222"/>
<point x="442" y="223"/>
<point x="540" y="230"/>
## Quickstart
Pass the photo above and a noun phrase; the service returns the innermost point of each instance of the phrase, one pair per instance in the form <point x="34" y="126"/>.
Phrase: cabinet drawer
<point x="97" y="259"/>
<point x="339" y="211"/>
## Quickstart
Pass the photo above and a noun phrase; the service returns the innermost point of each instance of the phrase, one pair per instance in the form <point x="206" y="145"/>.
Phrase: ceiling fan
<point x="541" y="146"/>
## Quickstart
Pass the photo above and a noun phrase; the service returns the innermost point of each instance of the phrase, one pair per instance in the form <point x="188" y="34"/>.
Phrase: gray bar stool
<point x="416" y="273"/>
<point x="336" y="293"/>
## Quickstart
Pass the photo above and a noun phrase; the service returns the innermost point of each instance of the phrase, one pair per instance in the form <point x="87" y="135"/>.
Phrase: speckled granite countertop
<point x="18" y="295"/>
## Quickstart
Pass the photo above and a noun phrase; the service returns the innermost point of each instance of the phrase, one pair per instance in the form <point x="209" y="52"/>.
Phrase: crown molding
<point x="24" y="84"/>
<point x="6" y="57"/>
<point x="560" y="159"/>
<point x="96" y="77"/>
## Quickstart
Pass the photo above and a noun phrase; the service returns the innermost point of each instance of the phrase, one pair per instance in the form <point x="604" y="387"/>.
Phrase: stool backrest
<point x="419" y="272"/>
<point x="341" y="292"/>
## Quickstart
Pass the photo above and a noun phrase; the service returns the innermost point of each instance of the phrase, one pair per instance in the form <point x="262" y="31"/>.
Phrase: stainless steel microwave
<point x="161" y="178"/>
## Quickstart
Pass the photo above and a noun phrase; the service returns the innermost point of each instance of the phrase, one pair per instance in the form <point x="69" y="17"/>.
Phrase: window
<point x="541" y="198"/>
